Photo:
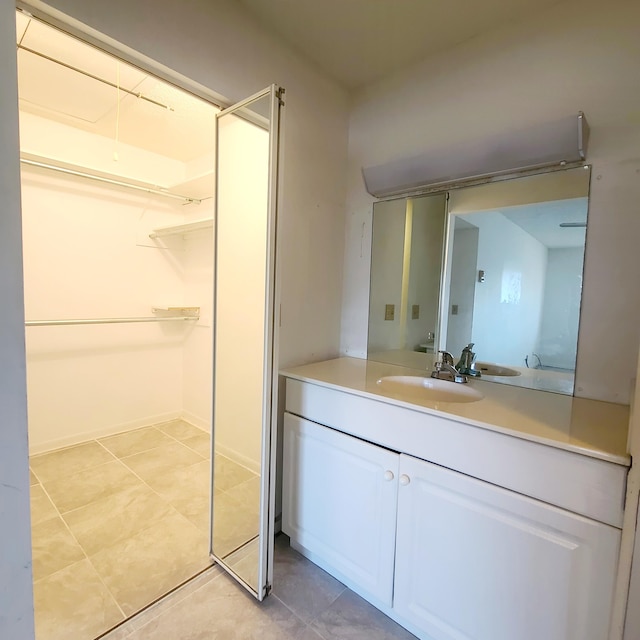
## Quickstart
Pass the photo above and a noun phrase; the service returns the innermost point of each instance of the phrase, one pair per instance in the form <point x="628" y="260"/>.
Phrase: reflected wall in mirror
<point x="406" y="272"/>
<point x="511" y="280"/>
<point x="513" y="277"/>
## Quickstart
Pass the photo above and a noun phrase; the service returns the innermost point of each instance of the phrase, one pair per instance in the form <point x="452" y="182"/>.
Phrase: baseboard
<point x="232" y="454"/>
<point x="196" y="421"/>
<point x="111" y="430"/>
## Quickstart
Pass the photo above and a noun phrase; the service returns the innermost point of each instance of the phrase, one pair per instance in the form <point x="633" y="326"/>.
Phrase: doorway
<point x="118" y="215"/>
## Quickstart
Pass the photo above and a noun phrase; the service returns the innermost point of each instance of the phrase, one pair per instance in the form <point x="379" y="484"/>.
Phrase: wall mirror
<point x="498" y="265"/>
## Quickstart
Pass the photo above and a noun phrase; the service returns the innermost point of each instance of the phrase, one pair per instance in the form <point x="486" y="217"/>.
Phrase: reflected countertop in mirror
<point x="509" y="262"/>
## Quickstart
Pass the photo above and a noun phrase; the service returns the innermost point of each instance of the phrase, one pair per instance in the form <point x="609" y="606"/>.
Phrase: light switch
<point x="454" y="309"/>
<point x="415" y="312"/>
<point x="389" y="311"/>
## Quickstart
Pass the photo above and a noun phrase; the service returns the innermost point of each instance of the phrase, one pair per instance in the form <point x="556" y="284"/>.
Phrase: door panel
<point x="244" y="339"/>
<point x="340" y="497"/>
<point x="477" y="562"/>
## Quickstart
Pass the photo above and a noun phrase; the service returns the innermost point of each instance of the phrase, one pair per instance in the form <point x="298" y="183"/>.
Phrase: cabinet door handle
<point x="404" y="479"/>
<point x="388" y="475"/>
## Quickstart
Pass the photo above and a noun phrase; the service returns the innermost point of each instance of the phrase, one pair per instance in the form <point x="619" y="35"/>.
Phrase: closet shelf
<point x="169" y="312"/>
<point x="179" y="229"/>
<point x="107" y="178"/>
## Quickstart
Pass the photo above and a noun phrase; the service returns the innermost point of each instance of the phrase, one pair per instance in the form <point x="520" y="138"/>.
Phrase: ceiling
<point x="541" y="220"/>
<point x="59" y="79"/>
<point x="357" y="42"/>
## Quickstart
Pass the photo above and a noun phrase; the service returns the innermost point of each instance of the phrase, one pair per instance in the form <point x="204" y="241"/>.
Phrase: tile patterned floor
<point x="306" y="604"/>
<point x="117" y="522"/>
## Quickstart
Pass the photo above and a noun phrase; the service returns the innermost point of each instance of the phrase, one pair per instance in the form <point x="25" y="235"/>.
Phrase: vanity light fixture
<point x="558" y="143"/>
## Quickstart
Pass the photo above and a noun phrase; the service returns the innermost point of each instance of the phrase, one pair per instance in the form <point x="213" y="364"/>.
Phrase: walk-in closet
<point x="118" y="182"/>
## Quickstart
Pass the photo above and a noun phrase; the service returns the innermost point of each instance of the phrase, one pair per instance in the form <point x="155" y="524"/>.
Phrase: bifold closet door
<point x="244" y="352"/>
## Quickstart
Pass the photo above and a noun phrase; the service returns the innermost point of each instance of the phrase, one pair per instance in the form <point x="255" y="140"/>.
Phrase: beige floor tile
<point x="41" y="507"/>
<point x="181" y="593"/>
<point x="137" y="441"/>
<point x="248" y="493"/>
<point x="177" y="482"/>
<point x="200" y="444"/>
<point x="116" y="517"/>
<point x="228" y="473"/>
<point x="161" y="460"/>
<point x="79" y="489"/>
<point x="233" y="525"/>
<point x="179" y="429"/>
<point x="73" y="604"/>
<point x="188" y="490"/>
<point x="142" y="568"/>
<point x="245" y="561"/>
<point x="65" y="462"/>
<point x="349" y="616"/>
<point x="32" y="478"/>
<point x="221" y="609"/>
<point x="304" y="587"/>
<point x="196" y="509"/>
<point x="53" y="548"/>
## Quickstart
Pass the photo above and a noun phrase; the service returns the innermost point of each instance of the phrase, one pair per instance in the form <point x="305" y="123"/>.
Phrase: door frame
<point x="69" y="25"/>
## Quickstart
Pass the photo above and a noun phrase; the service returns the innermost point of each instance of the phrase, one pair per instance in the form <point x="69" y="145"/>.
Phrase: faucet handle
<point x="447" y="358"/>
<point x="470" y="346"/>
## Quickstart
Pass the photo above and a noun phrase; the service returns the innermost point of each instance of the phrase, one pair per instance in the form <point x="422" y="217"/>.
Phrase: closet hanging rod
<point x="119" y="183"/>
<point x="137" y="94"/>
<point x="53" y="323"/>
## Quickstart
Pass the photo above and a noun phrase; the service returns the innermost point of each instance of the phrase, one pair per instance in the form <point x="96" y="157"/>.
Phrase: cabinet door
<point x="477" y="562"/>
<point x="339" y="504"/>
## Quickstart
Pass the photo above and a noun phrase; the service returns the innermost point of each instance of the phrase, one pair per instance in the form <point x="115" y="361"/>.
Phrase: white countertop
<point x="590" y="427"/>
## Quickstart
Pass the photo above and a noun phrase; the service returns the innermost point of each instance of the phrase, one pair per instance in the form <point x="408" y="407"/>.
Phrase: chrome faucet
<point x="466" y="361"/>
<point x="444" y="369"/>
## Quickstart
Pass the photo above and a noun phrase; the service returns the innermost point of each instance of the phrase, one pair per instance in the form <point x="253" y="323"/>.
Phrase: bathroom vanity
<point x="497" y="519"/>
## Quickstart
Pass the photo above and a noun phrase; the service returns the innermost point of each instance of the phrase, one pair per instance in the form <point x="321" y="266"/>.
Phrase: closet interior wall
<point x="85" y="258"/>
<point x="100" y="250"/>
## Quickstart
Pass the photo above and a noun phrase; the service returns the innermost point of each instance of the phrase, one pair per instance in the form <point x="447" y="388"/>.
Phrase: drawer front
<point x="581" y="484"/>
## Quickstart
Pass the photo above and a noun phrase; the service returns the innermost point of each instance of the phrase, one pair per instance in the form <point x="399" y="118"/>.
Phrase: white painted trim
<point x="111" y="430"/>
<point x="197" y="421"/>
<point x="238" y="458"/>
<point x="626" y="619"/>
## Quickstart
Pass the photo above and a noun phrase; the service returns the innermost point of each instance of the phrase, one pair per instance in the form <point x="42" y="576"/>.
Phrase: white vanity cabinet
<point x="475" y="561"/>
<point x="339" y="503"/>
<point x="447" y="555"/>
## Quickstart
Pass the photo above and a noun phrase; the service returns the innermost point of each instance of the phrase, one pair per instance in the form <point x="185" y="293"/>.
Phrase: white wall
<point x="558" y="337"/>
<point x="82" y="259"/>
<point x="507" y="306"/>
<point x="573" y="56"/>
<point x="464" y="272"/>
<point x="16" y="598"/>
<point x="220" y="46"/>
<point x="197" y="367"/>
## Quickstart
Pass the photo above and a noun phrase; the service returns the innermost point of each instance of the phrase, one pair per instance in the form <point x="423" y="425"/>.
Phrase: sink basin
<point x="422" y="388"/>
<point x="489" y="369"/>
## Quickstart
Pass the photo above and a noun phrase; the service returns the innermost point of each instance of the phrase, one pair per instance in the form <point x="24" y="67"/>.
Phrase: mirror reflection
<point x="406" y="269"/>
<point x="511" y="281"/>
